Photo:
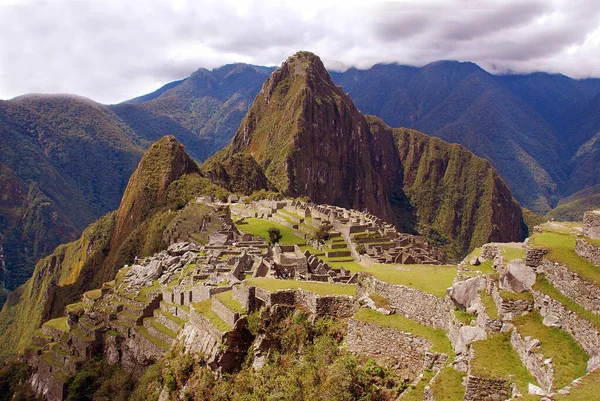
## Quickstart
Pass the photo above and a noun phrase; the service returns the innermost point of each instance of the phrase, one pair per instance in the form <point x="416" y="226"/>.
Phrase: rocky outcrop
<point x="517" y="277"/>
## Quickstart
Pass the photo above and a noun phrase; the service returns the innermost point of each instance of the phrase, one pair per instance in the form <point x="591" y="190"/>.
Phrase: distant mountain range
<point x="65" y="160"/>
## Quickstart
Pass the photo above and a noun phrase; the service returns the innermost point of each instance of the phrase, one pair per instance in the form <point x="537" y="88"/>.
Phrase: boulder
<point x="475" y="261"/>
<point x="466" y="335"/>
<point x="464" y="293"/>
<point x="517" y="277"/>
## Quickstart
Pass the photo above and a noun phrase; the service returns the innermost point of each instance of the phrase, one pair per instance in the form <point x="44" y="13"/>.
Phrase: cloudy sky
<point x="113" y="50"/>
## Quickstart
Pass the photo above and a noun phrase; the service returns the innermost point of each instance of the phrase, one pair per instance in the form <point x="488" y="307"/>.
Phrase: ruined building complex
<point x="199" y="292"/>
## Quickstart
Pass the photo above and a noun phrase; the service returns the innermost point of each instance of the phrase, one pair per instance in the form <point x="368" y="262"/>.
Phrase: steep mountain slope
<point x="489" y="115"/>
<point x="208" y="105"/>
<point x="309" y="139"/>
<point x="453" y="191"/>
<point x="165" y="178"/>
<point x="64" y="161"/>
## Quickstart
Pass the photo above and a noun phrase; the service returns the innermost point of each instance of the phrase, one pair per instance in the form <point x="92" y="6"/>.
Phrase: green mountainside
<point x="64" y="161"/>
<point x="454" y="192"/>
<point x="165" y="179"/>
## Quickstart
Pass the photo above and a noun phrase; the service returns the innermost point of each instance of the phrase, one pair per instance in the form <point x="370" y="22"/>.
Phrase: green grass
<point x="379" y="300"/>
<point x="93" y="294"/>
<point x="49" y="360"/>
<point x="146" y="292"/>
<point x="74" y="308"/>
<point x="489" y="304"/>
<point x="415" y="393"/>
<point x="448" y="385"/>
<point x="205" y="309"/>
<point x="436" y="336"/>
<point x="570" y="361"/>
<point x="352" y="267"/>
<point x="227" y="299"/>
<point x="60" y="323"/>
<point x="511" y="253"/>
<point x="587" y="389"/>
<point x="318" y="288"/>
<point x="496" y="358"/>
<point x="431" y="279"/>
<point x="161" y="327"/>
<point x="259" y="227"/>
<point x="485" y="267"/>
<point x="313" y="251"/>
<point x="561" y="249"/>
<point x="521" y="296"/>
<point x="544" y="286"/>
<point x="144" y="333"/>
<point x="465" y="317"/>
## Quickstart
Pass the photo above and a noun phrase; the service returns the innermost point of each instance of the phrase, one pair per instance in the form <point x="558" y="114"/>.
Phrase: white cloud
<point x="114" y="50"/>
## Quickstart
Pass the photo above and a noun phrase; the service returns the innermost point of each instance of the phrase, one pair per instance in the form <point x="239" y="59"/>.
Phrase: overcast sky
<point x="112" y="50"/>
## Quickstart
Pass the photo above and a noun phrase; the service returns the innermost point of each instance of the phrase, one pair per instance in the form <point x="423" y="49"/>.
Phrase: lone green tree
<point x="274" y="235"/>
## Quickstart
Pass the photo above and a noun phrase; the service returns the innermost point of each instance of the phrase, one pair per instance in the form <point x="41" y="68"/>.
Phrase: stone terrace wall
<point x="228" y="316"/>
<point x="203" y="323"/>
<point x="588" y="251"/>
<point x="584" y="332"/>
<point x="508" y="308"/>
<point x="591" y="224"/>
<point x="489" y="251"/>
<point x="534" y="256"/>
<point x="584" y="292"/>
<point x="534" y="362"/>
<point x="338" y="306"/>
<point x="479" y="388"/>
<point x="402" y="349"/>
<point x="414" y="304"/>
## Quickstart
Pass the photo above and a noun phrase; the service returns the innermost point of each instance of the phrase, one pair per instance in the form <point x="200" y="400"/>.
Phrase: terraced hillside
<point x="504" y="323"/>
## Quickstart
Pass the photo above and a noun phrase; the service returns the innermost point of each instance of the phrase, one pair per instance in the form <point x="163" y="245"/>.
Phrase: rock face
<point x="304" y="137"/>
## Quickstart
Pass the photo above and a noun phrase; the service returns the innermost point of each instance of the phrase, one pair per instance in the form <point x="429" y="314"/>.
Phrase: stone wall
<point x="335" y="305"/>
<point x="539" y="367"/>
<point x="228" y="316"/>
<point x="584" y="292"/>
<point x="534" y="256"/>
<point x="205" y="324"/>
<point x="588" y="251"/>
<point x="584" y="332"/>
<point x="489" y="251"/>
<point x="409" y="302"/>
<point x="400" y="349"/>
<point x="479" y="388"/>
<point x="509" y="308"/>
<point x="591" y="224"/>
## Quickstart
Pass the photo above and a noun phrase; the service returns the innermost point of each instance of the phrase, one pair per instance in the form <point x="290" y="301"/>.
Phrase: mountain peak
<point x="164" y="162"/>
<point x="309" y="138"/>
